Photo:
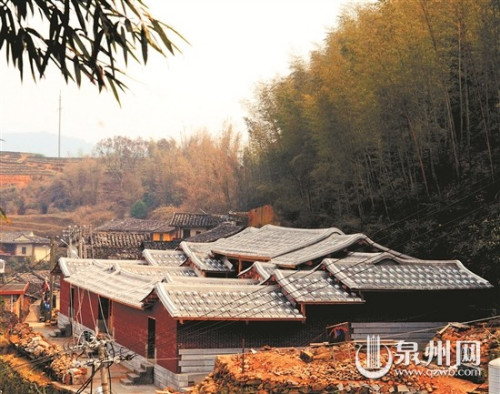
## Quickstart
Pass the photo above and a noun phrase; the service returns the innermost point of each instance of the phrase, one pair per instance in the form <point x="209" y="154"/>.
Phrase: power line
<point x="223" y="324"/>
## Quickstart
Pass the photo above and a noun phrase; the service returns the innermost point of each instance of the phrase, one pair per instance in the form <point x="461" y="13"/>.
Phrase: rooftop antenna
<point x="59" y="140"/>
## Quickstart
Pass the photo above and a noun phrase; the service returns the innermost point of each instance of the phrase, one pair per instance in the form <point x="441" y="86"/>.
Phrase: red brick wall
<point x="64" y="297"/>
<point x="131" y="331"/>
<point x="85" y="308"/>
<point x="130" y="327"/>
<point x="166" y="338"/>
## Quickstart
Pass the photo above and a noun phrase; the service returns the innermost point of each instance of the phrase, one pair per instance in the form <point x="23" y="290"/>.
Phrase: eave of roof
<point x="14" y="288"/>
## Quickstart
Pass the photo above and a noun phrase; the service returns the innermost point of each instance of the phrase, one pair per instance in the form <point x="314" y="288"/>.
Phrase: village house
<point x="12" y="295"/>
<point x="124" y="238"/>
<point x="277" y="286"/>
<point x="24" y="245"/>
<point x="191" y="224"/>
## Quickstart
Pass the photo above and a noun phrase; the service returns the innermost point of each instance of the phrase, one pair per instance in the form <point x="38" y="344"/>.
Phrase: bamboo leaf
<point x="144" y="45"/>
<point x="78" y="74"/>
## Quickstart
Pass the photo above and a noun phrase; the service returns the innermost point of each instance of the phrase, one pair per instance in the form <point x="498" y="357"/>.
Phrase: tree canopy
<point x="82" y="38"/>
<point x="391" y="128"/>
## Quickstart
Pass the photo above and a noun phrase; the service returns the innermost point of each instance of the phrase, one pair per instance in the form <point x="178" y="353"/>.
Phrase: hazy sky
<point x="233" y="45"/>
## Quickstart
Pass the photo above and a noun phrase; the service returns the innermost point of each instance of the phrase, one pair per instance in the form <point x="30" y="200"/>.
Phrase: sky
<point x="233" y="45"/>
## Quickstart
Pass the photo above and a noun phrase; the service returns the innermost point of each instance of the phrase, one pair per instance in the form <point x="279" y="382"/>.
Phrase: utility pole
<point x="59" y="140"/>
<point x="104" y="371"/>
<point x="80" y="242"/>
<point x="52" y="267"/>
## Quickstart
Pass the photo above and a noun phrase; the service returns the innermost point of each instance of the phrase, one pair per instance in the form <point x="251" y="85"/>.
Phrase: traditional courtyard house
<point x="172" y="313"/>
<point x="125" y="238"/>
<point x="24" y="245"/>
<point x="191" y="224"/>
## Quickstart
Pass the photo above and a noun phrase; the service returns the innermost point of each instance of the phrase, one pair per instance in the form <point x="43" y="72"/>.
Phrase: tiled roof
<point x="194" y="220"/>
<point x="118" y="239"/>
<point x="35" y="280"/>
<point x="226" y="302"/>
<point x="136" y="226"/>
<point x="200" y="255"/>
<point x="22" y="237"/>
<point x="107" y="279"/>
<point x="157" y="271"/>
<point x="125" y="281"/>
<point x="223" y="230"/>
<point x="313" y="287"/>
<point x="161" y="245"/>
<point x="71" y="266"/>
<point x="13" y="288"/>
<point x="164" y="257"/>
<point x="202" y="280"/>
<point x="323" y="248"/>
<point x="270" y="241"/>
<point x="386" y="272"/>
<point x="258" y="269"/>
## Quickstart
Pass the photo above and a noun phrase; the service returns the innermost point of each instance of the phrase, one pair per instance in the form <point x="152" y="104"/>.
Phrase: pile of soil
<point x="332" y="368"/>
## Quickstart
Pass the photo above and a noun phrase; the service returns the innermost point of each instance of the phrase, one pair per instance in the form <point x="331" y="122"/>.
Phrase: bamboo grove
<point x="390" y="128"/>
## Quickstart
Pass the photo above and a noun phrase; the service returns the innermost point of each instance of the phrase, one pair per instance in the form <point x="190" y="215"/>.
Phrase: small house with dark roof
<point x="191" y="224"/>
<point x="24" y="245"/>
<point x="176" y="310"/>
<point x="125" y="238"/>
<point x="12" y="296"/>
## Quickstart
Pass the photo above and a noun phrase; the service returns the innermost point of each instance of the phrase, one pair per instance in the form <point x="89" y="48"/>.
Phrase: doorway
<point x="151" y="345"/>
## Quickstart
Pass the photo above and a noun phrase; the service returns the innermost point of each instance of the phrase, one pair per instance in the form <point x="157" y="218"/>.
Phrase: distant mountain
<point x="45" y="144"/>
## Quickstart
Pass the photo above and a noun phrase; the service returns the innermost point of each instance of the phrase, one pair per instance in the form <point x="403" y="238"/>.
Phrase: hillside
<point x="44" y="225"/>
<point x="20" y="168"/>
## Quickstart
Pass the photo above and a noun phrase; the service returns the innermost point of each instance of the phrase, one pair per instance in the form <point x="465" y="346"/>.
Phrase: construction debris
<point x="64" y="367"/>
<point x="332" y="368"/>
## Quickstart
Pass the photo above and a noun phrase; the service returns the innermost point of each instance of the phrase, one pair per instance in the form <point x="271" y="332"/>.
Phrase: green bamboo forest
<point x="390" y="128"/>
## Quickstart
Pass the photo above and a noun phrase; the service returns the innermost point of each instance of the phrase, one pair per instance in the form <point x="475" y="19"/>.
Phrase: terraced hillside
<point x="44" y="225"/>
<point x="19" y="169"/>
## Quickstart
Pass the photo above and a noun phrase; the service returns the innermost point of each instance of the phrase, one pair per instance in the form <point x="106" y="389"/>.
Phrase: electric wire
<point x="222" y="324"/>
<point x="294" y="270"/>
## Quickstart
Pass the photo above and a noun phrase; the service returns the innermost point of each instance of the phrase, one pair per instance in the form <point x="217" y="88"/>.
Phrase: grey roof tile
<point x="323" y="248"/>
<point x="135" y="225"/>
<point x="270" y="241"/>
<point x="223" y="230"/>
<point x="201" y="256"/>
<point x="172" y="258"/>
<point x="226" y="302"/>
<point x="313" y="287"/>
<point x="194" y="220"/>
<point x="22" y="237"/>
<point x="386" y="272"/>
